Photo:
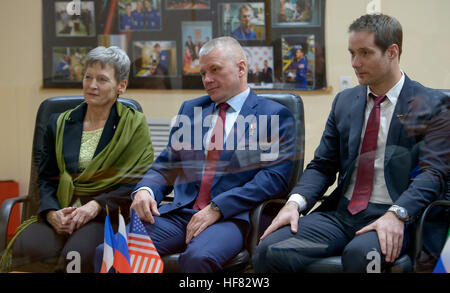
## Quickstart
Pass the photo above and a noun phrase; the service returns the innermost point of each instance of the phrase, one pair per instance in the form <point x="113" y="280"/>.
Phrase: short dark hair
<point x="242" y="8"/>
<point x="387" y="30"/>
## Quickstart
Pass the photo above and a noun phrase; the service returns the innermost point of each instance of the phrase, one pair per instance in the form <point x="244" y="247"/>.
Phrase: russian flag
<point x="121" y="255"/>
<point x="108" y="247"/>
<point x="443" y="264"/>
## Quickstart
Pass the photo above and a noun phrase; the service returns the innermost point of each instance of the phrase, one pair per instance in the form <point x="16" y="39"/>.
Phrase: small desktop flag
<point x="121" y="258"/>
<point x="108" y="247"/>
<point x="443" y="264"/>
<point x="143" y="255"/>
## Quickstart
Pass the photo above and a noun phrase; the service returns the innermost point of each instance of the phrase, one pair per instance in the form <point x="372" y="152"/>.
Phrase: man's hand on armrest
<point x="288" y="215"/>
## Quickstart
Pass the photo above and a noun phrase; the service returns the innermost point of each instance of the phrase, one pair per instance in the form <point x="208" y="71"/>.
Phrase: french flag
<point x="109" y="247"/>
<point x="121" y="255"/>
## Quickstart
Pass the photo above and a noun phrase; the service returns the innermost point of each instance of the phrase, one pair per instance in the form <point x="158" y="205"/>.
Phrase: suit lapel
<point x="356" y="122"/>
<point x="396" y="130"/>
<point x="72" y="139"/>
<point x="108" y="130"/>
<point x="248" y="110"/>
<point x="205" y="122"/>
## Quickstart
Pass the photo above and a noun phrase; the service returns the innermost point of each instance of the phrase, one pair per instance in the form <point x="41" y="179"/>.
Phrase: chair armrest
<point x="5" y="213"/>
<point x="420" y="226"/>
<point x="255" y="220"/>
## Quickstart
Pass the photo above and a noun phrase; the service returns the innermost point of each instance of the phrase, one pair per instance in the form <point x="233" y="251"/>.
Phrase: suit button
<point x="178" y="204"/>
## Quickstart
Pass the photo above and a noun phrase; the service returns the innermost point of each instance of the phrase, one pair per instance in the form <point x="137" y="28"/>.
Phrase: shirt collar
<point x="237" y="101"/>
<point x="394" y="92"/>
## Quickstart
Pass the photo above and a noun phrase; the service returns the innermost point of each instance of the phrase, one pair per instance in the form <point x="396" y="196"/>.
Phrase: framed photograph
<point x="298" y="61"/>
<point x="194" y="35"/>
<point x="187" y="4"/>
<point x="155" y="58"/>
<point x="242" y="20"/>
<point x="68" y="63"/>
<point x="260" y="61"/>
<point x="139" y="15"/>
<point x="296" y="13"/>
<point x="82" y="25"/>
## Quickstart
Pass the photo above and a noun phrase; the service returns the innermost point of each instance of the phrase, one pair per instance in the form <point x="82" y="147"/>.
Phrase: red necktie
<point x="364" y="177"/>
<point x="212" y="157"/>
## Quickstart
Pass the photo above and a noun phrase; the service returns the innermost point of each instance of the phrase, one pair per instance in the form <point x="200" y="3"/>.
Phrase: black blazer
<point x="48" y="171"/>
<point x="417" y="137"/>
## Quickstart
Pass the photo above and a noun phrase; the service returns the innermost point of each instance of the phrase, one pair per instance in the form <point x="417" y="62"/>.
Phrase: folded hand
<point x="61" y="220"/>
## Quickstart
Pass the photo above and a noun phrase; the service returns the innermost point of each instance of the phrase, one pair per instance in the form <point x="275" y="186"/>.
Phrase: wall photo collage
<point x="283" y="40"/>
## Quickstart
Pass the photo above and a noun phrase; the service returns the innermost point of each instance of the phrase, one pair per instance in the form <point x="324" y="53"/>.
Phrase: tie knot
<point x="224" y="106"/>
<point x="377" y="99"/>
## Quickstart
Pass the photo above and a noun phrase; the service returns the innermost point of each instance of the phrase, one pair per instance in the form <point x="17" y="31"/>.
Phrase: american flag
<point x="143" y="255"/>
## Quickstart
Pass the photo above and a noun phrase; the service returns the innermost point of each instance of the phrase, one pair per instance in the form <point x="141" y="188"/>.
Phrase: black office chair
<point x="446" y="92"/>
<point x="430" y="233"/>
<point x="269" y="208"/>
<point x="31" y="201"/>
<point x="408" y="261"/>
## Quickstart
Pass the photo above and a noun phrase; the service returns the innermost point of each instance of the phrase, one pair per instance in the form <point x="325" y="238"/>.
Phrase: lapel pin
<point x="252" y="128"/>
<point x="399" y="115"/>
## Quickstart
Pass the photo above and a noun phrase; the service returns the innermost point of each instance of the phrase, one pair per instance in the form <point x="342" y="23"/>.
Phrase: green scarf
<point x="127" y="156"/>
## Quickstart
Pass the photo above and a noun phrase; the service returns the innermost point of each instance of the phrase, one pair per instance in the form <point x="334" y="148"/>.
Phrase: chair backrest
<point x="446" y="92"/>
<point x="295" y="104"/>
<point x="46" y="109"/>
<point x="447" y="195"/>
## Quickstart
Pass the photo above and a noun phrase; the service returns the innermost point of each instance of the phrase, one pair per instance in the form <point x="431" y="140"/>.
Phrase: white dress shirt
<point x="380" y="192"/>
<point x="232" y="113"/>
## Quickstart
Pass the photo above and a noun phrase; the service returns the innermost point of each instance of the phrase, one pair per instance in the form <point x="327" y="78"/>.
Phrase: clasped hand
<point x="67" y="220"/>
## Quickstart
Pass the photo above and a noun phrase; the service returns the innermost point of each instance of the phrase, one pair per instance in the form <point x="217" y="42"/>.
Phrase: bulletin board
<point x="283" y="40"/>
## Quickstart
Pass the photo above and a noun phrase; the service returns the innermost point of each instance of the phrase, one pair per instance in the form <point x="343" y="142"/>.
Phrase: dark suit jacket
<point x="49" y="173"/>
<point x="242" y="179"/>
<point x="340" y="142"/>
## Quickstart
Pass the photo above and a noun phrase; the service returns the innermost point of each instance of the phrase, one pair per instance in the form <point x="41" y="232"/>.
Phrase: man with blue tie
<point x="217" y="174"/>
<point x="370" y="142"/>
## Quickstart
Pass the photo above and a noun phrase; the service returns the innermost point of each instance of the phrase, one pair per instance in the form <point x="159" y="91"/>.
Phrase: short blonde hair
<point x="229" y="44"/>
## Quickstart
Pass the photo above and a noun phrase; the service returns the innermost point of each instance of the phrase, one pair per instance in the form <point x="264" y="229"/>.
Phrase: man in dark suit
<point x="369" y="142"/>
<point x="267" y="73"/>
<point x="216" y="184"/>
